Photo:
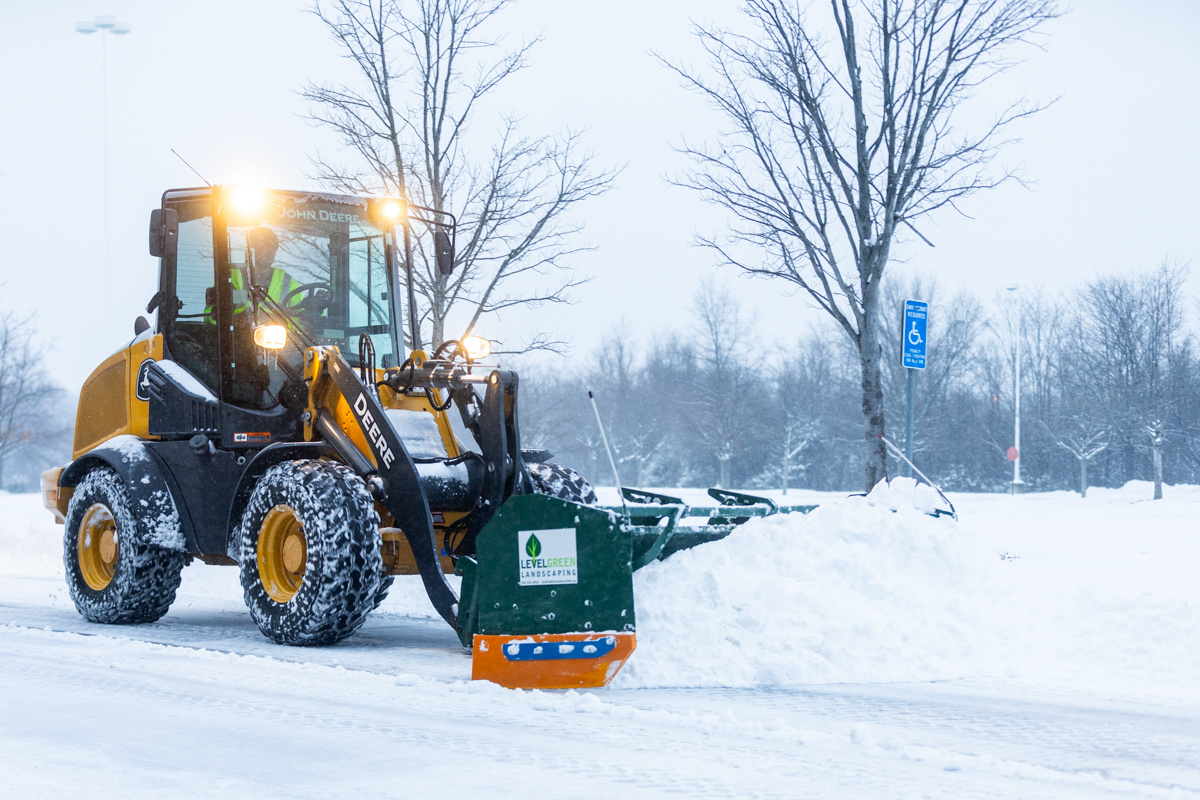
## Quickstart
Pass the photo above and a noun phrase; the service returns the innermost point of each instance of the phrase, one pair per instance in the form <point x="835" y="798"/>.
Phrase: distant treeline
<point x="1110" y="381"/>
<point x="1109" y="375"/>
<point x="35" y="422"/>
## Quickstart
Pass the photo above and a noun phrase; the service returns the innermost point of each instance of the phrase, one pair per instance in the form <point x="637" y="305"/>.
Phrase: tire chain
<point x="344" y="569"/>
<point x="145" y="577"/>
<point x="562" y="482"/>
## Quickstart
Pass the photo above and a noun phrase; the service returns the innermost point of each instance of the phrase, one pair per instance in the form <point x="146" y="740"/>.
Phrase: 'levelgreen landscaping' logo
<point x="547" y="557"/>
<point x="533" y="547"/>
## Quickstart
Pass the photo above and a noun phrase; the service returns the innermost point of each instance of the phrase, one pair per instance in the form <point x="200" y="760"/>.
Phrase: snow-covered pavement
<point x="916" y="664"/>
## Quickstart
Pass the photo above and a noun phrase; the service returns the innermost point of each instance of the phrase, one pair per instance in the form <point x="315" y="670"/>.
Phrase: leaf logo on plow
<point x="533" y="547"/>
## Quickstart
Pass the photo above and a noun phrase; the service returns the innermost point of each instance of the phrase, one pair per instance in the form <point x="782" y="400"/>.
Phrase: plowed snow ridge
<point x="866" y="589"/>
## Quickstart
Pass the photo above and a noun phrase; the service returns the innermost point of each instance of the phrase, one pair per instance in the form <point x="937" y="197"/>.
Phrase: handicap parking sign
<point x="913" y="340"/>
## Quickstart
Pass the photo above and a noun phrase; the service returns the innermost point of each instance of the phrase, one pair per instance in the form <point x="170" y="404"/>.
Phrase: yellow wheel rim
<point x="282" y="553"/>
<point x="98" y="547"/>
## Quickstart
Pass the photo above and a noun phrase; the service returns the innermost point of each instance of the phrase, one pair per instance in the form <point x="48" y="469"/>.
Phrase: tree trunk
<point x="1157" y="472"/>
<point x="870" y="357"/>
<point x="725" y="472"/>
<point x="1083" y="477"/>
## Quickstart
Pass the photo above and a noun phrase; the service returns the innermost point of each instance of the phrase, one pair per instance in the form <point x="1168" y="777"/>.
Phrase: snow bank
<point x="30" y="540"/>
<point x="864" y="589"/>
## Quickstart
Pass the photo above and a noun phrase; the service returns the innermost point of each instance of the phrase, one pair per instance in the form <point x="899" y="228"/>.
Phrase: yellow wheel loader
<point x="273" y="420"/>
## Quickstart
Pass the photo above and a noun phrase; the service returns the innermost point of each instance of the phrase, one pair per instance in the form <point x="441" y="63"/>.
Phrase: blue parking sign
<point x="913" y="340"/>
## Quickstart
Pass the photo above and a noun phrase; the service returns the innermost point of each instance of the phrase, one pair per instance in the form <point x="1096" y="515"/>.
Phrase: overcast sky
<point x="1116" y="161"/>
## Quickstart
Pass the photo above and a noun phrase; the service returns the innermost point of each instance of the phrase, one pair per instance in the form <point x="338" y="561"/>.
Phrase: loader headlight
<point x="270" y="337"/>
<point x="391" y="210"/>
<point x="477" y="347"/>
<point x="387" y="212"/>
<point x="247" y="200"/>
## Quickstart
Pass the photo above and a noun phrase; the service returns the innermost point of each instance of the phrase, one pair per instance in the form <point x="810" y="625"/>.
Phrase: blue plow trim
<point x="544" y="651"/>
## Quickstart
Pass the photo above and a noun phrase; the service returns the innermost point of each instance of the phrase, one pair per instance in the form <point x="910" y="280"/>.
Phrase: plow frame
<point x="661" y="525"/>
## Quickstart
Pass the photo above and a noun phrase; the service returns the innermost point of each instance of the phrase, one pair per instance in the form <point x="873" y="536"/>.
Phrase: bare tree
<point x="797" y="436"/>
<point x="720" y="416"/>
<point x="424" y="66"/>
<point x="1130" y="343"/>
<point x="835" y="145"/>
<point x="1085" y="439"/>
<point x="27" y="417"/>
<point x="633" y="418"/>
<point x="1157" y="431"/>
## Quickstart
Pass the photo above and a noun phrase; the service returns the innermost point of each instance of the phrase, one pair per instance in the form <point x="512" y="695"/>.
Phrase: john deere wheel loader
<point x="272" y="420"/>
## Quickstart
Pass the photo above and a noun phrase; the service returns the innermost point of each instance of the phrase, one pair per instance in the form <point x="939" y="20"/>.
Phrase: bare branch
<point x="423" y="68"/>
<point x="834" y="143"/>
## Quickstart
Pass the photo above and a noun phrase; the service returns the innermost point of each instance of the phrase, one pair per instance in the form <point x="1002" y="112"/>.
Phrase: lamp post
<point x="1018" y="486"/>
<point x="106" y="24"/>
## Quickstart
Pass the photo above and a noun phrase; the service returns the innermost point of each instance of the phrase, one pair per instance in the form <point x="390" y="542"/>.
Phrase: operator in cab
<point x="274" y="281"/>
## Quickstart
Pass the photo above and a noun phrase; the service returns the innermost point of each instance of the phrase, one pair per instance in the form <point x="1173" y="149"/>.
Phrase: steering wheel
<point x="312" y="295"/>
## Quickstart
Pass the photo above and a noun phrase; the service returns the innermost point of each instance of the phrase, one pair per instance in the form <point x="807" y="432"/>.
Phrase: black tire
<point x="338" y="575"/>
<point x="133" y="582"/>
<point x="562" y="482"/>
<point x="382" y="593"/>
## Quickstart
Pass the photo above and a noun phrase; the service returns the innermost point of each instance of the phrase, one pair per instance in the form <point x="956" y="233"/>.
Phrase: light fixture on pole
<point x="1018" y="486"/>
<point x="106" y="24"/>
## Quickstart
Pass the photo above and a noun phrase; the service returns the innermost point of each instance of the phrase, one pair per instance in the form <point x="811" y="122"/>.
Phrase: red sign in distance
<point x="1012" y="454"/>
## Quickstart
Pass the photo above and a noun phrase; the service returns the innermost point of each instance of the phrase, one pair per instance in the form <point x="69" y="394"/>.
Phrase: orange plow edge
<point x="551" y="661"/>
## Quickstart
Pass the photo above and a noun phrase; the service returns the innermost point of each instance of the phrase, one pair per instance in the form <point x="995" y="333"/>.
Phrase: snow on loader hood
<point x="864" y="589"/>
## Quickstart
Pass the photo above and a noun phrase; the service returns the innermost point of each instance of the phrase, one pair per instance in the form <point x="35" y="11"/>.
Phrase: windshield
<point x="314" y="264"/>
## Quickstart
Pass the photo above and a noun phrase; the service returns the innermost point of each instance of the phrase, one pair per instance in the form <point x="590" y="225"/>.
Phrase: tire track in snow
<point x="524" y="733"/>
<point x="357" y="710"/>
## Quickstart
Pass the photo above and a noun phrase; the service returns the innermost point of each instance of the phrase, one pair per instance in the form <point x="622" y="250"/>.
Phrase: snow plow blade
<point x="547" y="601"/>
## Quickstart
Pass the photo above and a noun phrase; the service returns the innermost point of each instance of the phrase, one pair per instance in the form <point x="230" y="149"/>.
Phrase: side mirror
<point x="443" y="250"/>
<point x="139" y="325"/>
<point x="164" y="232"/>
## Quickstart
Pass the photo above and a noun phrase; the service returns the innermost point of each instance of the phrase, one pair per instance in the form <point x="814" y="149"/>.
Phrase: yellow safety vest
<point x="280" y="286"/>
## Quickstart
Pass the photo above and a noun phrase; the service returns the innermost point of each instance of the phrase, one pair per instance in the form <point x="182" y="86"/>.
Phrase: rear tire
<point x="310" y="553"/>
<point x="114" y="578"/>
<point x="562" y="482"/>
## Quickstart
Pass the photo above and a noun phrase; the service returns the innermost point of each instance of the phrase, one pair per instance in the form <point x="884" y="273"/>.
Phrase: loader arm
<point x="385" y="464"/>
<point x="351" y="417"/>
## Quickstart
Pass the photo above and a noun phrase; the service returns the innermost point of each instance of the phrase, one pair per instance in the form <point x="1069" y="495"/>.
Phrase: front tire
<point x="310" y="553"/>
<point x="114" y="578"/>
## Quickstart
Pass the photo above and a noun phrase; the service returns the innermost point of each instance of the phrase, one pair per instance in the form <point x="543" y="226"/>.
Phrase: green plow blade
<point x="548" y="566"/>
<point x="547" y="599"/>
<point x="661" y="525"/>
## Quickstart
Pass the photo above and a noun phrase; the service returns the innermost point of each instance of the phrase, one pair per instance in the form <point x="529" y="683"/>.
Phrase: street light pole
<point x="106" y="24"/>
<point x="1018" y="486"/>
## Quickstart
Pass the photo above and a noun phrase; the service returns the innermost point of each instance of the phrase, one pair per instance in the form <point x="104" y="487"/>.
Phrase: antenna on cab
<point x="193" y="169"/>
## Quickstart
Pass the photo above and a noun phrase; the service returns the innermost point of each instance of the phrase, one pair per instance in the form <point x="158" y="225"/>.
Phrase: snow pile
<point x="906" y="493"/>
<point x="865" y="589"/>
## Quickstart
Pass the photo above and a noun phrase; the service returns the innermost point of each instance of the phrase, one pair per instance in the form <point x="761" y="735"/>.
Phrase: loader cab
<point x="249" y="278"/>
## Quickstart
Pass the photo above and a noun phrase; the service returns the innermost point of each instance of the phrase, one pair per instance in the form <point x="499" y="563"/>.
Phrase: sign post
<point x="913" y="347"/>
